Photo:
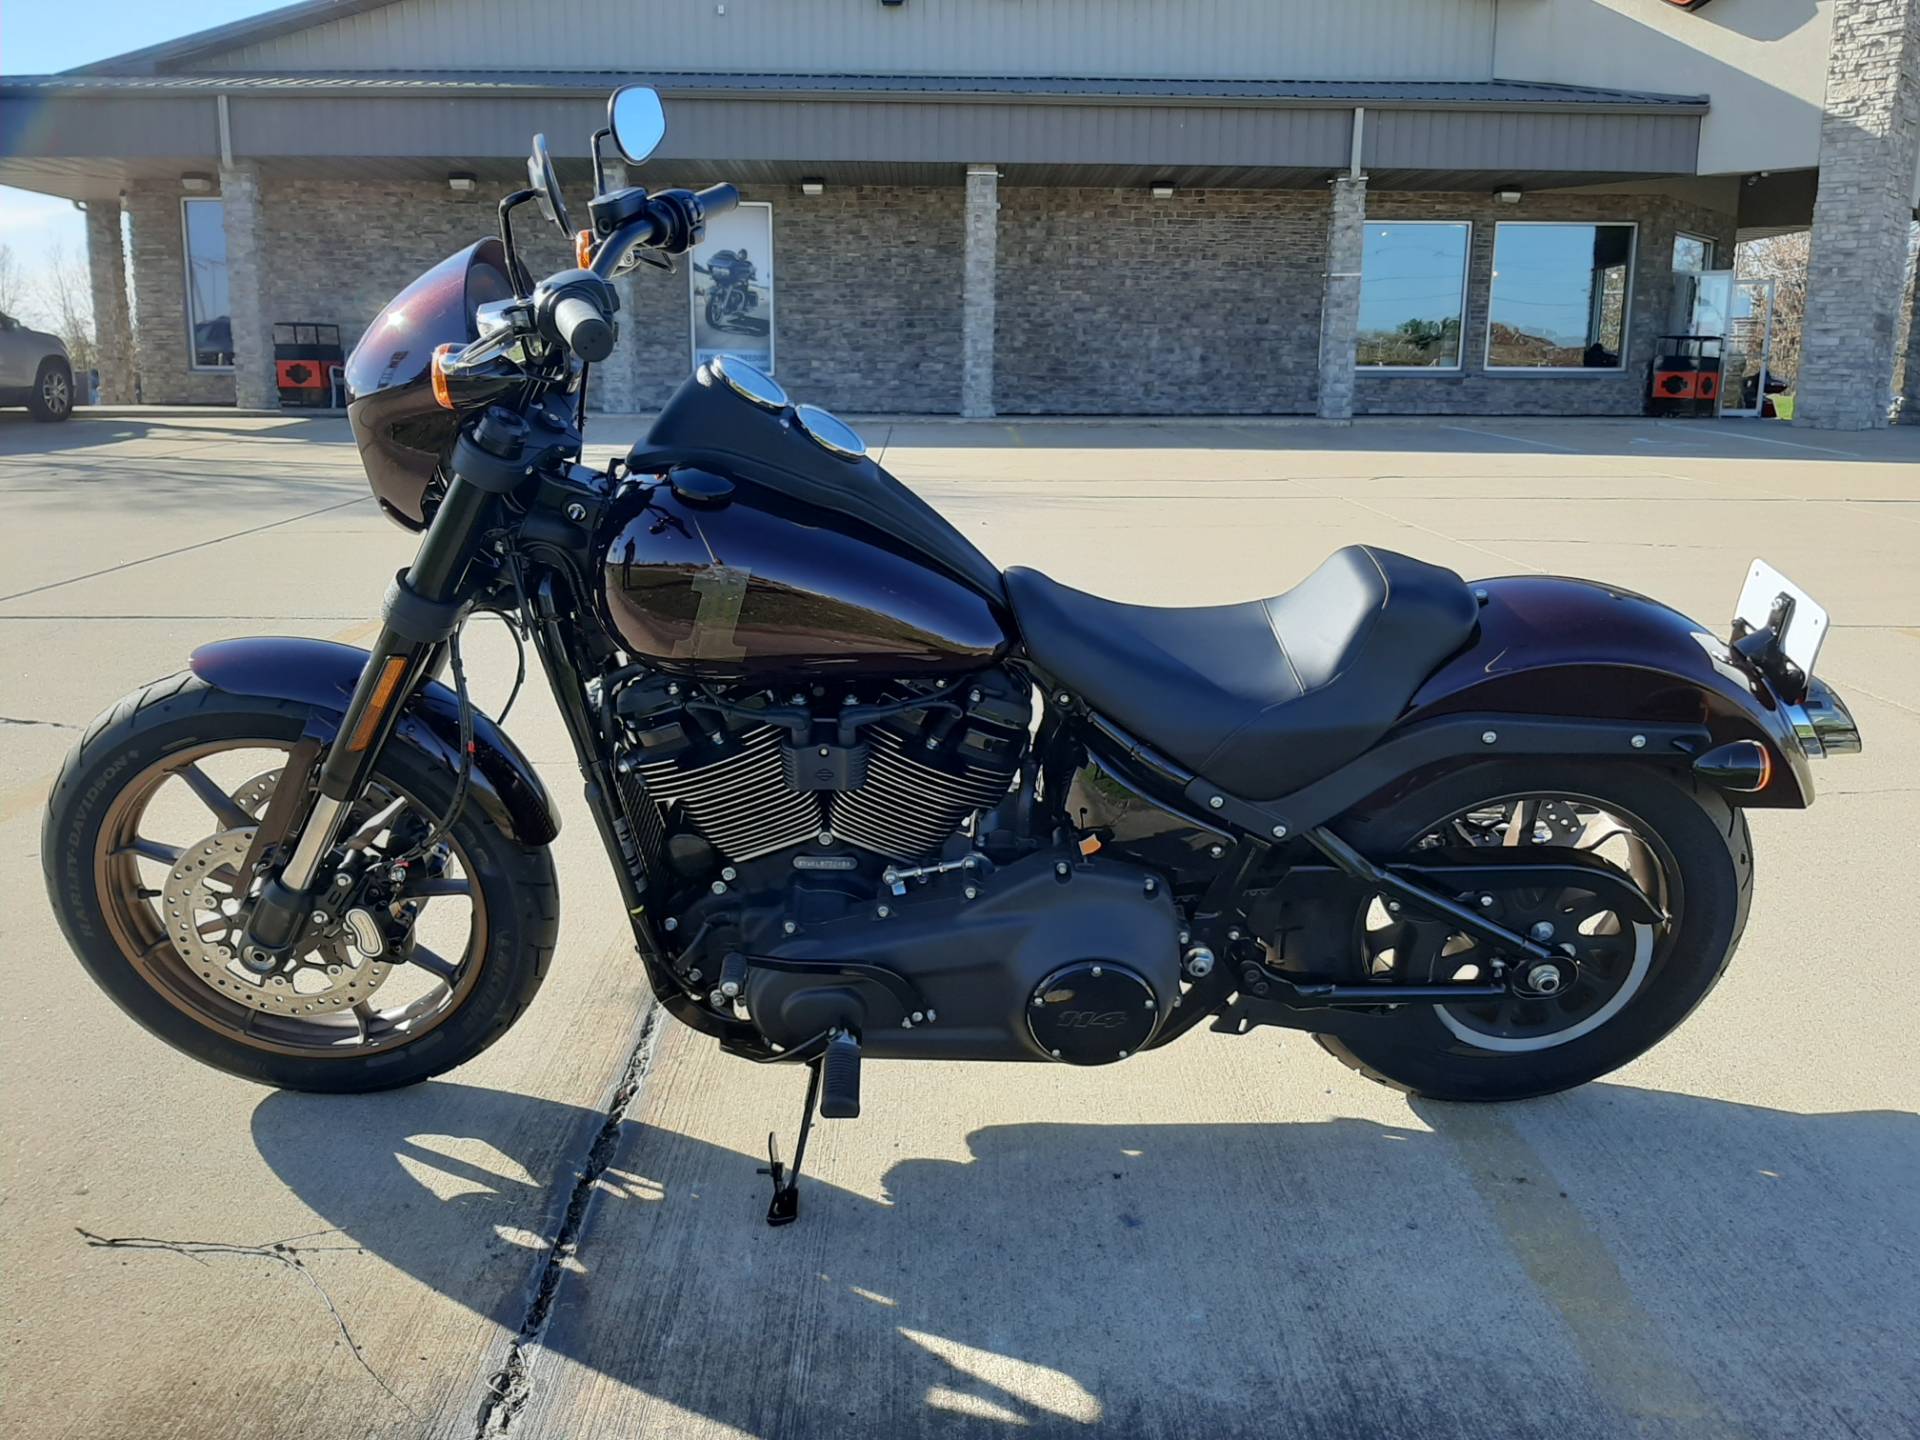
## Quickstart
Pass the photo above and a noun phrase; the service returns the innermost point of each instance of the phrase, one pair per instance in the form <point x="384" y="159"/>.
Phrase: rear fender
<point x="1553" y="647"/>
<point x="321" y="675"/>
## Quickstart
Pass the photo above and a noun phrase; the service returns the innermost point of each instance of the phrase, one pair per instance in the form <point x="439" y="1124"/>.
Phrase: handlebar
<point x="583" y="328"/>
<point x="672" y="220"/>
<point x="716" y="200"/>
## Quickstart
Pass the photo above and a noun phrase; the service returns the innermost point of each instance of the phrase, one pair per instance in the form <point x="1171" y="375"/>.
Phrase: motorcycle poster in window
<point x="733" y="288"/>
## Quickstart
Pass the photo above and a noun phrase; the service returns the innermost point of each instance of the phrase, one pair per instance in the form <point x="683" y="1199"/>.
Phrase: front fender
<point x="321" y="675"/>
<point x="1547" y="645"/>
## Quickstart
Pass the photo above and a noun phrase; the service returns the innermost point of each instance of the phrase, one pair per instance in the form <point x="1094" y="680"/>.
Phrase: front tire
<point x="1707" y="856"/>
<point x="52" y="397"/>
<point x="93" y="846"/>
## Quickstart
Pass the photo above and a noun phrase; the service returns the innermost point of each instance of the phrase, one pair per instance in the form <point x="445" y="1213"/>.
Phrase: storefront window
<point x="209" y="314"/>
<point x="732" y="286"/>
<point x="1692" y="253"/>
<point x="1559" y="297"/>
<point x="1413" y="294"/>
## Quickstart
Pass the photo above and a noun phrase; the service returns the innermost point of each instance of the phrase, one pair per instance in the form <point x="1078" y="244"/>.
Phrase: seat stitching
<point x="1266" y="608"/>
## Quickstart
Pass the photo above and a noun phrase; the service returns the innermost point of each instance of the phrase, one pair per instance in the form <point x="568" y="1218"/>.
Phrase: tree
<point x="65" y="299"/>
<point x="1783" y="260"/>
<point x="12" y="281"/>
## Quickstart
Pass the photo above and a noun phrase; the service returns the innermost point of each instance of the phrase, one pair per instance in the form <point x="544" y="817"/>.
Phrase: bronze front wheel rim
<point x="129" y="902"/>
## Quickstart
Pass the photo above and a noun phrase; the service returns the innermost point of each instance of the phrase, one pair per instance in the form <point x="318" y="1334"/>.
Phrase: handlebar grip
<point x="717" y="199"/>
<point x="587" y="332"/>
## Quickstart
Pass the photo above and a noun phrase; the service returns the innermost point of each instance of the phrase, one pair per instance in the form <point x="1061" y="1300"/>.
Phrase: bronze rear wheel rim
<point x="129" y="900"/>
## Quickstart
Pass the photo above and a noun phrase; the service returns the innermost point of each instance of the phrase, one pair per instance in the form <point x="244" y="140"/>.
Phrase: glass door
<point x="1749" y="340"/>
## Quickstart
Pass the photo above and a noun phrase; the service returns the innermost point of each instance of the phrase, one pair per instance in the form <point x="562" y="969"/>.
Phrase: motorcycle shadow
<point x="1607" y="1262"/>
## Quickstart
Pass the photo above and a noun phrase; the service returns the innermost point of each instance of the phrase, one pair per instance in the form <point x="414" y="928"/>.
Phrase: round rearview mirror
<point x="637" y="121"/>
<point x="546" y="185"/>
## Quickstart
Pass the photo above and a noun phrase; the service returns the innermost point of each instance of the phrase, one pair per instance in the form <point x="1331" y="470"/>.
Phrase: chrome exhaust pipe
<point x="1823" y="724"/>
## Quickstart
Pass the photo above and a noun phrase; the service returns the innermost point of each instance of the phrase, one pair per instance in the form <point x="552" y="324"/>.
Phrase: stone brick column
<point x="614" y="386"/>
<point x="1857" y="271"/>
<point x="1340" y="304"/>
<point x="1910" y="411"/>
<point x="977" y="290"/>
<point x="112" y="326"/>
<point x="253" y="378"/>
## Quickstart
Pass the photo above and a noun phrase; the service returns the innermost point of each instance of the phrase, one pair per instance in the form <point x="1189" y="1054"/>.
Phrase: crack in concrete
<point x="50" y="724"/>
<point x="510" y="1387"/>
<point x="285" y="1252"/>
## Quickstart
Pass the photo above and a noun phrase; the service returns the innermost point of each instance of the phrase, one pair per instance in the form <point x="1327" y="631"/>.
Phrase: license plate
<point x="1806" y="625"/>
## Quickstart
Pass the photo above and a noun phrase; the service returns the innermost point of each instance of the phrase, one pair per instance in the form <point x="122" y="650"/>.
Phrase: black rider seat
<point x="1267" y="695"/>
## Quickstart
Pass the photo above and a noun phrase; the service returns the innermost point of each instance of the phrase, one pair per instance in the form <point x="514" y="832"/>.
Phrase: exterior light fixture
<point x="198" y="181"/>
<point x="813" y="186"/>
<point x="460" y="181"/>
<point x="1507" y="197"/>
<point x="1161" y="189"/>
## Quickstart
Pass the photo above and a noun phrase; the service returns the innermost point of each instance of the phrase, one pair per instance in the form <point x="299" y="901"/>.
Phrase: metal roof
<point x="1385" y="94"/>
<point x="231" y="36"/>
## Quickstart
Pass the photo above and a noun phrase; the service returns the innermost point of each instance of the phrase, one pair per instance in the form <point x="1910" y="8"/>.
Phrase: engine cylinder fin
<point x="741" y="802"/>
<point x="908" y="807"/>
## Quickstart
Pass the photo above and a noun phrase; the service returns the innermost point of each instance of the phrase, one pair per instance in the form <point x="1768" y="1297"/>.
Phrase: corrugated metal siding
<point x="807" y="130"/>
<point x="1293" y="39"/>
<point x="98" y="126"/>
<point x="1445" y="140"/>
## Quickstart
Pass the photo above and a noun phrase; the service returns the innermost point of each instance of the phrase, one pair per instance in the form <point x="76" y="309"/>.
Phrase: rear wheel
<point x="145" y="847"/>
<point x="52" y="397"/>
<point x="1632" y="983"/>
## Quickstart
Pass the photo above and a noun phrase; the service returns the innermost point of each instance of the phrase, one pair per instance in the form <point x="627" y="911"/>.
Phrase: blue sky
<point x="41" y="38"/>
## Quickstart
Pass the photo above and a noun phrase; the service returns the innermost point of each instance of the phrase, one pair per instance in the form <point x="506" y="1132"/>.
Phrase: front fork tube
<point x="421" y="610"/>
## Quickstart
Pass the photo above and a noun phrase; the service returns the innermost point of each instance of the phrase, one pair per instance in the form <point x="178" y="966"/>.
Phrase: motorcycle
<point x="731" y="294"/>
<point x="865" y="795"/>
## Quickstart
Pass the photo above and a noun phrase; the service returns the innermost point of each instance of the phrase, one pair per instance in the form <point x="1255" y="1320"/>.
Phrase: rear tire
<point x="515" y="883"/>
<point x="52" y="397"/>
<point x="1709" y="856"/>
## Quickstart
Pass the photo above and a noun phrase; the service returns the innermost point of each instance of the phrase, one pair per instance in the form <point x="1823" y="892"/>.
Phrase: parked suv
<point x="34" y="371"/>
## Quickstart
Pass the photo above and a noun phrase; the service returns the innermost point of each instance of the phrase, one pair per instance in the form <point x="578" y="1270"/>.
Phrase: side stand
<point x="785" y="1208"/>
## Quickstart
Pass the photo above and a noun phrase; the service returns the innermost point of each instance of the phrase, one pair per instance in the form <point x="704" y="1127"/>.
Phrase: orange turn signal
<point x="383" y="688"/>
<point x="441" y="394"/>
<point x="583" y="249"/>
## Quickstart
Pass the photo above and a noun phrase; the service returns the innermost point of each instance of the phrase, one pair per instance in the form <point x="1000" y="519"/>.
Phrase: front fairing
<point x="1548" y="645"/>
<point x="401" y="430"/>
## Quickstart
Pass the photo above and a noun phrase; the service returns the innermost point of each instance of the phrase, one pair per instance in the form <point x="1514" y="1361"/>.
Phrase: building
<point x="1465" y="207"/>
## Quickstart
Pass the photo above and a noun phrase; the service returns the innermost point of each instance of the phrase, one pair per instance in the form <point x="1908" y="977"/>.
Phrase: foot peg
<point x="840" y="1089"/>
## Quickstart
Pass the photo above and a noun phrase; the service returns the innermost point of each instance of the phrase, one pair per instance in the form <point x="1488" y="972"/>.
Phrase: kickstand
<point x="785" y="1208"/>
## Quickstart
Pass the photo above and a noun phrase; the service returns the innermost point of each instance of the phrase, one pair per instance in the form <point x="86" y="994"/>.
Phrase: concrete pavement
<point x="1229" y="1237"/>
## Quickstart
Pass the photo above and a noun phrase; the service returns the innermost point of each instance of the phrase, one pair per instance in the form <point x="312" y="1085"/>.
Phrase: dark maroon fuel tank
<point x="758" y="584"/>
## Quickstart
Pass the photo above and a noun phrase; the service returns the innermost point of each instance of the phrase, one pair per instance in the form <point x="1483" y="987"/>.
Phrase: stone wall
<point x="1107" y="301"/>
<point x="112" y="324"/>
<point x="868" y="296"/>
<point x="1869" y="137"/>
<point x="1111" y="302"/>
<point x="166" y="375"/>
<point x="1471" y="390"/>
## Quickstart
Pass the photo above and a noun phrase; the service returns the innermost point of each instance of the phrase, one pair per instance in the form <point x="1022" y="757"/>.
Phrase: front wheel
<point x="145" y="844"/>
<point x="52" y="395"/>
<point x="1634" y="982"/>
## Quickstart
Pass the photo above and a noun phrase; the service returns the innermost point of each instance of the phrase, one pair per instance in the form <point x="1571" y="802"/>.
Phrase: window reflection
<point x="209" y="322"/>
<point x="1559" y="297"/>
<point x="1413" y="287"/>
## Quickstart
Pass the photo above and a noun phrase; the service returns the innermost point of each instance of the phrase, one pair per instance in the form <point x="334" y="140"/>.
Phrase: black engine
<point x="853" y="858"/>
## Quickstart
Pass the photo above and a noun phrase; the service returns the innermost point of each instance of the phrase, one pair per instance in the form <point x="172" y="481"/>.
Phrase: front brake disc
<point x="203" y="900"/>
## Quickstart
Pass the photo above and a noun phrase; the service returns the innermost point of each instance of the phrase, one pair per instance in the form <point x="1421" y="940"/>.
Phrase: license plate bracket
<point x="1779" y="627"/>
